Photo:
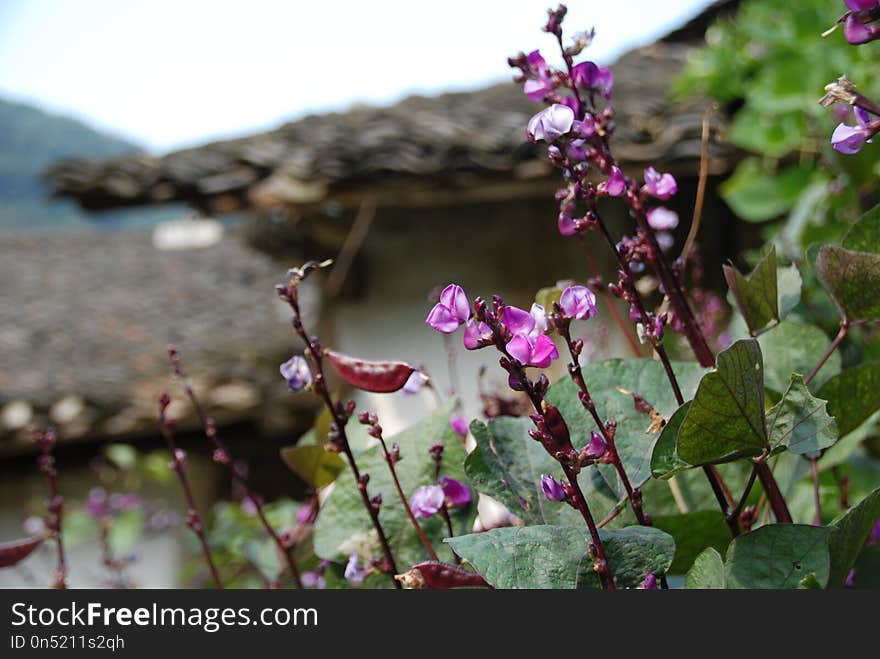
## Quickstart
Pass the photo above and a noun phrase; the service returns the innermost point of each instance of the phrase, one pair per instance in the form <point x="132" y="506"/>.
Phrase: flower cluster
<point x="522" y="334"/>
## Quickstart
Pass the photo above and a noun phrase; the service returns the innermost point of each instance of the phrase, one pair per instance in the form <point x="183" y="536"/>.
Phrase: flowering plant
<point x="723" y="468"/>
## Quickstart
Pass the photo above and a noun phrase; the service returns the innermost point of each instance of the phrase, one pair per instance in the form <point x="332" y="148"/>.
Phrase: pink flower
<point x="552" y="488"/>
<point x="856" y="32"/>
<point x="649" y="582"/>
<point x="597" y="446"/>
<point x="589" y="76"/>
<point x="427" y="500"/>
<point x="415" y="382"/>
<point x="529" y="345"/>
<point x="567" y="226"/>
<point x="477" y="335"/>
<point x="538" y="87"/>
<point x="578" y="302"/>
<point x="459" y="425"/>
<point x="850" y="139"/>
<point x="456" y="494"/>
<point x="550" y="123"/>
<point x="662" y="219"/>
<point x="615" y="185"/>
<point x="662" y="186"/>
<point x="451" y="311"/>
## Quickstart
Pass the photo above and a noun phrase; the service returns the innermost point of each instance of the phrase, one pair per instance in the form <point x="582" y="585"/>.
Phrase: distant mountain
<point x="30" y="141"/>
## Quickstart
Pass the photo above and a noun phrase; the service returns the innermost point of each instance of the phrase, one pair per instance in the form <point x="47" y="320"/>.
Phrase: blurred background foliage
<point x="768" y="66"/>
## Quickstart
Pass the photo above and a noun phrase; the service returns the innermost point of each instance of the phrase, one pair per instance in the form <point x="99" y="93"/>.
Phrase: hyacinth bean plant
<point x="719" y="469"/>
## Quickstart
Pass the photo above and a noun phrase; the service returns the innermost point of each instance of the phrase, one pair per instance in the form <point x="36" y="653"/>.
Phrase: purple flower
<point x="552" y="488"/>
<point x="615" y="185"/>
<point x="662" y="219"/>
<point x="665" y="240"/>
<point x="456" y="494"/>
<point x="451" y="311"/>
<point x="850" y="139"/>
<point x="597" y="446"/>
<point x="875" y="533"/>
<point x="249" y="506"/>
<point x="589" y="76"/>
<point x="662" y="186"/>
<point x="306" y="513"/>
<point x="850" y="579"/>
<point x="459" y="425"/>
<point x="859" y="5"/>
<point x="567" y="226"/>
<point x="314" y="579"/>
<point x="96" y="502"/>
<point x="297" y="373"/>
<point x="477" y="335"/>
<point x="538" y="87"/>
<point x="856" y="32"/>
<point x="415" y="382"/>
<point x="578" y="302"/>
<point x="529" y="345"/>
<point x="427" y="500"/>
<point x="354" y="572"/>
<point x="649" y="582"/>
<point x="550" y="123"/>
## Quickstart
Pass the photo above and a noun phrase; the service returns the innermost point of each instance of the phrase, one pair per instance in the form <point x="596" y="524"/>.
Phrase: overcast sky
<point x="169" y="73"/>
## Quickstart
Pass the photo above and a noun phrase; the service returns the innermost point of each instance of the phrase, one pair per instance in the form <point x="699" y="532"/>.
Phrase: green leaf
<point x="556" y="556"/>
<point x="707" y="571"/>
<point x="864" y="236"/>
<point x="756" y="293"/>
<point x="607" y="382"/>
<point x="756" y="194"/>
<point x="507" y="465"/>
<point x="853" y="395"/>
<point x="726" y="418"/>
<point x="344" y="521"/>
<point x="124" y="456"/>
<point x="849" y="532"/>
<point x="788" y="285"/>
<point x="263" y="555"/>
<point x="126" y="531"/>
<point x="694" y="532"/>
<point x="795" y="348"/>
<point x="800" y="421"/>
<point x="778" y="556"/>
<point x="665" y="462"/>
<point x="313" y="463"/>
<point x="852" y="280"/>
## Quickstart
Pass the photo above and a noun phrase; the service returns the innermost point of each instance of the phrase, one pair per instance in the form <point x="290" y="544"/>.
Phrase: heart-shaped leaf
<point x="507" y="464"/>
<point x="853" y="395"/>
<point x="852" y="279"/>
<point x="665" y="462"/>
<point x="693" y="532"/>
<point x="778" y="556"/>
<point x="611" y="384"/>
<point x="800" y="421"/>
<point x="794" y="348"/>
<point x="756" y="293"/>
<point x="848" y="535"/>
<point x="726" y="418"/>
<point x="864" y="236"/>
<point x="316" y="465"/>
<point x="556" y="556"/>
<point x="707" y="571"/>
